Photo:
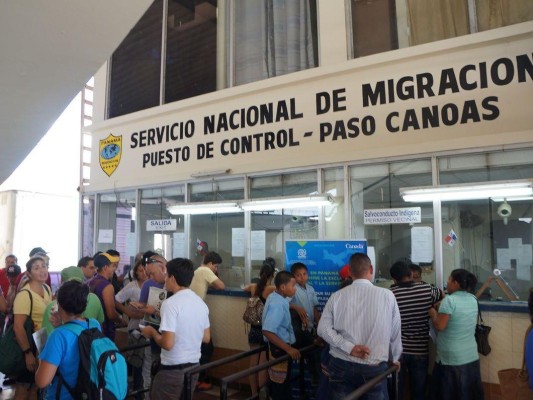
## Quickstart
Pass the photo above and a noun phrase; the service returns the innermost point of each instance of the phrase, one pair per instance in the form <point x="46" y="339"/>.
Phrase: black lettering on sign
<point x="500" y="72"/>
<point x="268" y="113"/>
<point x="448" y="114"/>
<point x="163" y="157"/>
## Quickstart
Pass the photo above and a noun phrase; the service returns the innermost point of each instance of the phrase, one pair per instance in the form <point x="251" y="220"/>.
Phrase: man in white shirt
<point x="362" y="325"/>
<point x="184" y="326"/>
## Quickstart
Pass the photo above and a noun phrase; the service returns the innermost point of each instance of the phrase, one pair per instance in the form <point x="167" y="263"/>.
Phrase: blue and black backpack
<point x="102" y="372"/>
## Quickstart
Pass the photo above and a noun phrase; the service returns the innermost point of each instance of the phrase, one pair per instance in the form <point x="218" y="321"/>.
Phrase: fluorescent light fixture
<point x="215" y="172"/>
<point x="315" y="200"/>
<point x="204" y="208"/>
<point x="517" y="198"/>
<point x="503" y="189"/>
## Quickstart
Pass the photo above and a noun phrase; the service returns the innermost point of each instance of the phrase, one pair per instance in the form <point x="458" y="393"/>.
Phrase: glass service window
<point x="273" y="38"/>
<point x="217" y="190"/>
<point x="377" y="186"/>
<point x="160" y="230"/>
<point x="495" y="233"/>
<point x="278" y="225"/>
<point x="270" y="230"/>
<point x="190" y="49"/>
<point x="335" y="214"/>
<point x="219" y="232"/>
<point x="136" y="66"/>
<point x="116" y="225"/>
<point x="301" y="183"/>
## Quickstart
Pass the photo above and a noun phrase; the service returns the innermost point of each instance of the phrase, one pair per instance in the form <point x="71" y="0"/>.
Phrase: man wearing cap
<point x="4" y="281"/>
<point x="102" y="287"/>
<point x="156" y="269"/>
<point x="93" y="310"/>
<point x="114" y="279"/>
<point x="37" y="250"/>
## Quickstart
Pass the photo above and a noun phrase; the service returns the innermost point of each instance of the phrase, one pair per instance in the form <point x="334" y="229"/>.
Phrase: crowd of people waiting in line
<point x="362" y="330"/>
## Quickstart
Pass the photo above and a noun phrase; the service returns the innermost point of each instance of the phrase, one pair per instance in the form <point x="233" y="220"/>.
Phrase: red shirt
<point x="4" y="281"/>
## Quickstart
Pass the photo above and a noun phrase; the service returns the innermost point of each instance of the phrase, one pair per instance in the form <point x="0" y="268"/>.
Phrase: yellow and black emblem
<point x="110" y="152"/>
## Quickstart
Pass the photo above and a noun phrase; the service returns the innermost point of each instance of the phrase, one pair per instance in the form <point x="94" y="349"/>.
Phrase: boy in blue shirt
<point x="305" y="303"/>
<point x="277" y="329"/>
<point x="61" y="350"/>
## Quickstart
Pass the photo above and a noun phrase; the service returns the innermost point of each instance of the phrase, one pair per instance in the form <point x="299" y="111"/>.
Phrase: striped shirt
<point x="414" y="301"/>
<point x="362" y="314"/>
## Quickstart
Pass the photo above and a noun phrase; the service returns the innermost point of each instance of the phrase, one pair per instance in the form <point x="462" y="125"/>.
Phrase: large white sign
<point x="161" y="225"/>
<point x="383" y="216"/>
<point x="417" y="100"/>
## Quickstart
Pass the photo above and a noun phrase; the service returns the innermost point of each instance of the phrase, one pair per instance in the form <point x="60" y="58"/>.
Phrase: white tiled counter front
<point x="507" y="342"/>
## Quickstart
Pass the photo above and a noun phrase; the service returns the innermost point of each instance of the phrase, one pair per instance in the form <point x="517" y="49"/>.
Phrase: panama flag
<point x="451" y="238"/>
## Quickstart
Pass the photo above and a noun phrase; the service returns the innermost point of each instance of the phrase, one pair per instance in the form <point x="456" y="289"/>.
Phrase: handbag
<point x="254" y="311"/>
<point x="135" y="357"/>
<point x="12" y="361"/>
<point x="482" y="335"/>
<point x="514" y="382"/>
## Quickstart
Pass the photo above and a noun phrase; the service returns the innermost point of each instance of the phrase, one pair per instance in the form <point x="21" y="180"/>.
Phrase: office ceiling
<point x="48" y="51"/>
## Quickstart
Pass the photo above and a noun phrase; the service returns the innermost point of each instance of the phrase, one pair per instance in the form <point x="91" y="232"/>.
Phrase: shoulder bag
<point x="482" y="334"/>
<point x="12" y="361"/>
<point x="254" y="311"/>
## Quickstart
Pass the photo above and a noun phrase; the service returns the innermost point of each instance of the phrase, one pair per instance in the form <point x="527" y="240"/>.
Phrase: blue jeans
<point x="458" y="382"/>
<point x="415" y="369"/>
<point x="346" y="376"/>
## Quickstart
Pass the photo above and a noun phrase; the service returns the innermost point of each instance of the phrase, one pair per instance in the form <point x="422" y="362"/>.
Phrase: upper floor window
<point x="166" y="58"/>
<point x="383" y="25"/>
<point x="136" y="66"/>
<point x="273" y="38"/>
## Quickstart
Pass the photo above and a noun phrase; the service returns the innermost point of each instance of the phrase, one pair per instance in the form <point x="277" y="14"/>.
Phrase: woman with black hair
<point x="261" y="289"/>
<point x="30" y="302"/>
<point x="61" y="350"/>
<point x="457" y="368"/>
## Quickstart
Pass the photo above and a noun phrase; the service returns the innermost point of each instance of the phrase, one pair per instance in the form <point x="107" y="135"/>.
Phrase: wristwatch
<point x="27" y="351"/>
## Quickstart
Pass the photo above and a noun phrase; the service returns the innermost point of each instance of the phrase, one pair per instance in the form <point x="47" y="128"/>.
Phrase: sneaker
<point x="203" y="386"/>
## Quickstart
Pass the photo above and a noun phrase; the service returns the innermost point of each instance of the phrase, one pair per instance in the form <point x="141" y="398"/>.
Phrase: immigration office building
<point x="237" y="126"/>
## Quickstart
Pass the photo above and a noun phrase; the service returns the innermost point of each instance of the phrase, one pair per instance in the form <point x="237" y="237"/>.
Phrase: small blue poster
<point x="324" y="259"/>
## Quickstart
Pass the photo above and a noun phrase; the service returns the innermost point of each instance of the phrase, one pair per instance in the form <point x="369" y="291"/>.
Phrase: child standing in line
<point x="277" y="329"/>
<point x="305" y="303"/>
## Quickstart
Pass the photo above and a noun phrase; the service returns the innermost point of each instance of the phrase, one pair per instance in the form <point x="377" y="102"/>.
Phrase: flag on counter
<point x="451" y="238"/>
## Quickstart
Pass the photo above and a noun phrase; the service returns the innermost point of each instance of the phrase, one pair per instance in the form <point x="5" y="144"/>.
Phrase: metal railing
<point x="362" y="390"/>
<point x="224" y="382"/>
<point x="192" y="370"/>
<point x="125" y="349"/>
<point x="187" y="373"/>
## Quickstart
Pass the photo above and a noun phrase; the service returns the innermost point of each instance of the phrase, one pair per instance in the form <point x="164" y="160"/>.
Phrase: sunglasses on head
<point x="153" y="260"/>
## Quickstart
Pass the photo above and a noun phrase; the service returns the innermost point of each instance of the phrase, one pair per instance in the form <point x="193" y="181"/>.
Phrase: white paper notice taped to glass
<point x="422" y="244"/>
